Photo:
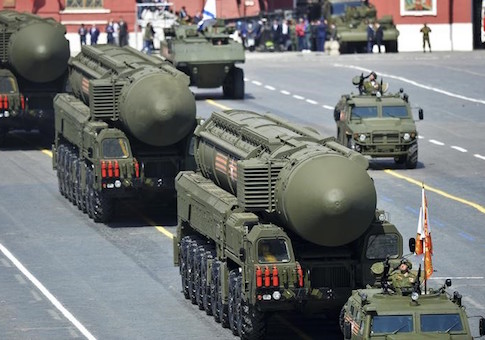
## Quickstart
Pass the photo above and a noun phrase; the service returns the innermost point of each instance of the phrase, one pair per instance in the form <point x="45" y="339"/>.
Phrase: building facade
<point x="456" y="25"/>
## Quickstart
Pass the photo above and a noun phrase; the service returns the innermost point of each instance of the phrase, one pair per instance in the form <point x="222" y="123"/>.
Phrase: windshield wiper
<point x="452" y="326"/>
<point x="397" y="330"/>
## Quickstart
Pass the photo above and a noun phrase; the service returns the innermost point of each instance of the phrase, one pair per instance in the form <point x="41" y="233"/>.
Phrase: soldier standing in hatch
<point x="426" y="31"/>
<point x="402" y="276"/>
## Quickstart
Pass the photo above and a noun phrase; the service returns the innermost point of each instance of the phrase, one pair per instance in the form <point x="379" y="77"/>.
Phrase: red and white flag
<point x="423" y="237"/>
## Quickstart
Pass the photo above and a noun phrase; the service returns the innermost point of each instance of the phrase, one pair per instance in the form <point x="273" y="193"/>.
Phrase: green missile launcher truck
<point x="378" y="124"/>
<point x="126" y="130"/>
<point x="208" y="57"/>
<point x="276" y="218"/>
<point x="33" y="69"/>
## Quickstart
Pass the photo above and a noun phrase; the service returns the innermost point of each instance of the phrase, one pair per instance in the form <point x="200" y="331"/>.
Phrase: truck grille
<point x="331" y="277"/>
<point x="382" y="138"/>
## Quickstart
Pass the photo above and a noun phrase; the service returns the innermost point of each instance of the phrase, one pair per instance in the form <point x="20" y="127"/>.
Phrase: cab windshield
<point x="115" y="148"/>
<point x="273" y="250"/>
<point x="392" y="324"/>
<point x="363" y="112"/>
<point x="395" y="111"/>
<point x="443" y="323"/>
<point x="381" y="246"/>
<point x="7" y="85"/>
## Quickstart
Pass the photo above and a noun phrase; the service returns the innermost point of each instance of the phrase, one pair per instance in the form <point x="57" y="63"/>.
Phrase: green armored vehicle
<point x="351" y="19"/>
<point x="378" y="124"/>
<point x="277" y="218"/>
<point x="208" y="57"/>
<point x="384" y="312"/>
<point x="125" y="132"/>
<point x="33" y="69"/>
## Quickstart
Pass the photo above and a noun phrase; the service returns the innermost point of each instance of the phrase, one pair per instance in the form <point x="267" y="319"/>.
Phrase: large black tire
<point x="191" y="266"/>
<point x="238" y="79"/>
<point x="89" y="193"/>
<point x="81" y="202"/>
<point x="253" y="323"/>
<point x="75" y="179"/>
<point x="233" y="86"/>
<point x="184" y="273"/>
<point x="412" y="157"/>
<point x="235" y="302"/>
<point x="60" y="169"/>
<point x="201" y="285"/>
<point x="214" y="291"/>
<point x="103" y="207"/>
<point x="206" y="299"/>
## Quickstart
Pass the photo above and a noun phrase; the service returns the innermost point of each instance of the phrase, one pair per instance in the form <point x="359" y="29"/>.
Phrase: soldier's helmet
<point x="406" y="262"/>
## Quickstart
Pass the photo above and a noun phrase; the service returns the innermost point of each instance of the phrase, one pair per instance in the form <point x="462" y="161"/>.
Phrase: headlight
<point x="382" y="217"/>
<point x="118" y="183"/>
<point x="406" y="136"/>
<point x="266" y="297"/>
<point x="362" y="137"/>
<point x="276" y="295"/>
<point x="414" y="296"/>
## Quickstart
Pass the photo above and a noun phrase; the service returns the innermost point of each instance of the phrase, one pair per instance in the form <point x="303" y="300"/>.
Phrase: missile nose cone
<point x="39" y="52"/>
<point x="159" y="110"/>
<point x="329" y="200"/>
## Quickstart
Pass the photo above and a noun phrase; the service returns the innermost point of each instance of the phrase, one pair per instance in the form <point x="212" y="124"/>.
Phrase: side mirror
<point x="347" y="330"/>
<point x="412" y="244"/>
<point x="336" y="114"/>
<point x="481" y="326"/>
<point x="421" y="114"/>
<point x="242" y="254"/>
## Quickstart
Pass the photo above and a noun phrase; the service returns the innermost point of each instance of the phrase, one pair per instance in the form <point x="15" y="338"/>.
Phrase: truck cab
<point x="12" y="102"/>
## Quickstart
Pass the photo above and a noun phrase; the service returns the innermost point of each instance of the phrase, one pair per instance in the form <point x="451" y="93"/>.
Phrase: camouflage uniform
<point x="402" y="278"/>
<point x="426" y="31"/>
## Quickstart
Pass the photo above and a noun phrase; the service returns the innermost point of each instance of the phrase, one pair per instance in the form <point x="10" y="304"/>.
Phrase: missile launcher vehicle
<point x="126" y="130"/>
<point x="208" y="57"/>
<point x="383" y="312"/>
<point x="378" y="124"/>
<point x="33" y="69"/>
<point x="276" y="218"/>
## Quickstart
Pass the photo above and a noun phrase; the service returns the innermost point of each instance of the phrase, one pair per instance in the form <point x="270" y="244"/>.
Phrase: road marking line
<point x="285" y="92"/>
<point x="328" y="107"/>
<point x="47" y="152"/>
<point x="479" y="156"/>
<point x="256" y="83"/>
<point x="310" y="101"/>
<point x="269" y="87"/>
<point x="46" y="293"/>
<point x="474" y="303"/>
<point x="436" y="142"/>
<point x="210" y="101"/>
<point x="165" y="231"/>
<point x="458" y="148"/>
<point x="466" y="236"/>
<point x="298" y="97"/>
<point x="437" y="191"/>
<point x="420" y="137"/>
<point x="415" y="83"/>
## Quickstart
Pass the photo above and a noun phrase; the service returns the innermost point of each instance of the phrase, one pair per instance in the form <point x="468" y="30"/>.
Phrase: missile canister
<point x="146" y="94"/>
<point x="36" y="48"/>
<point x="124" y="132"/>
<point x="275" y="218"/>
<point x="290" y="173"/>
<point x="33" y="57"/>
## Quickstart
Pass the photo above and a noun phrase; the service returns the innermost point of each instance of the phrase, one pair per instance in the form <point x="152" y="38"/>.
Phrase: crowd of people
<point x="286" y="35"/>
<point x="116" y="33"/>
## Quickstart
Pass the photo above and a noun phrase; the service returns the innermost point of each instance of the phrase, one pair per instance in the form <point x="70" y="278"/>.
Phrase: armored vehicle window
<point x="115" y="148"/>
<point x="381" y="246"/>
<point x="441" y="323"/>
<point x="274" y="250"/>
<point x="395" y="111"/>
<point x="364" y="112"/>
<point x="392" y="324"/>
<point x="7" y="85"/>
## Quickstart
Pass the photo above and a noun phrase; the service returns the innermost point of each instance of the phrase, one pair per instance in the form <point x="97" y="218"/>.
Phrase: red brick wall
<point x="462" y="12"/>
